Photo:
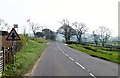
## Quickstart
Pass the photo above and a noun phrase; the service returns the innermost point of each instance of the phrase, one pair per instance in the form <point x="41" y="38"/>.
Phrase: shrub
<point x="71" y="42"/>
<point x="85" y="43"/>
<point x="90" y="48"/>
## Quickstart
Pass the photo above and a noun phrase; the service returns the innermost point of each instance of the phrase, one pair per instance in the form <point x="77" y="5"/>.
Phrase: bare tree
<point x="80" y="29"/>
<point x="34" y="27"/>
<point x="7" y="26"/>
<point x="104" y="34"/>
<point x="24" y="32"/>
<point x="4" y="25"/>
<point x="1" y="24"/>
<point x="66" y="29"/>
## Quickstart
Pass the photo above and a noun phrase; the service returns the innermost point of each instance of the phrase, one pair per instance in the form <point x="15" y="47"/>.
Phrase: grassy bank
<point x="26" y="58"/>
<point x="97" y="52"/>
<point x="40" y="40"/>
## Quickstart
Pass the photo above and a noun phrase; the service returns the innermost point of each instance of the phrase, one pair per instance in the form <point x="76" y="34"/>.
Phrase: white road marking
<point x="71" y="58"/>
<point x="61" y="50"/>
<point x="80" y="65"/>
<point x="92" y="75"/>
<point x="65" y="44"/>
<point x="66" y="55"/>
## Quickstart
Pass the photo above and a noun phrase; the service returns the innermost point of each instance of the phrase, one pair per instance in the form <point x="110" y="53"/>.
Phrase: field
<point x="100" y="52"/>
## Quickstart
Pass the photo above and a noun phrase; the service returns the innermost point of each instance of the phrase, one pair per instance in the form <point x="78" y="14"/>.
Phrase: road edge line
<point x="92" y="75"/>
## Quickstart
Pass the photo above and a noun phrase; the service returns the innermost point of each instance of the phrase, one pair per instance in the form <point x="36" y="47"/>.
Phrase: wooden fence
<point x="7" y="55"/>
<point x="10" y="52"/>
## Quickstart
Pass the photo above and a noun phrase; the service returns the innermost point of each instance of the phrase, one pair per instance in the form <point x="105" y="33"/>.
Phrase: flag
<point x="28" y="20"/>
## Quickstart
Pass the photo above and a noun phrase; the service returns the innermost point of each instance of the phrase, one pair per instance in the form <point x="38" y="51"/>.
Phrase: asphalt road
<point x="60" y="60"/>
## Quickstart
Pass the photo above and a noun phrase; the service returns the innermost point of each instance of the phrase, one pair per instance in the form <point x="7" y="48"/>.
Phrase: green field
<point x="26" y="57"/>
<point x="98" y="52"/>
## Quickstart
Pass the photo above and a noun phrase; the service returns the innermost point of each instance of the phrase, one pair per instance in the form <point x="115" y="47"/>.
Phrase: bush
<point x="114" y="48"/>
<point x="118" y="47"/>
<point x="71" y="42"/>
<point x="24" y="39"/>
<point x="85" y="43"/>
<point x="90" y="48"/>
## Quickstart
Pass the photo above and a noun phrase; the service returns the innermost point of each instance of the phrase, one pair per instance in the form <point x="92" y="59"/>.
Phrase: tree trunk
<point x="103" y="44"/>
<point x="65" y="38"/>
<point x="68" y="38"/>
<point x="96" y="43"/>
<point x="34" y="33"/>
<point x="79" y="39"/>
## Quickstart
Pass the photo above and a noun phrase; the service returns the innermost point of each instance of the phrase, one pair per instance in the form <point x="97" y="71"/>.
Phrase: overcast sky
<point x="93" y="13"/>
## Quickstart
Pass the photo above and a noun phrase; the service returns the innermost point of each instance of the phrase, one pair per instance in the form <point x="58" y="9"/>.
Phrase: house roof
<point x="3" y="33"/>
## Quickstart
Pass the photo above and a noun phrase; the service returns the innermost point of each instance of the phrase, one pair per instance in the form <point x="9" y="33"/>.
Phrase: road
<point x="61" y="60"/>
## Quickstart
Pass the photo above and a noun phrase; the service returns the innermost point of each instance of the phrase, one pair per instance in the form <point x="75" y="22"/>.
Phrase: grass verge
<point x="106" y="55"/>
<point x="26" y="58"/>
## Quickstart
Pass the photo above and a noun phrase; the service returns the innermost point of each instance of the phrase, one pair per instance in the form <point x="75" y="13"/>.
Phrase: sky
<point x="48" y="13"/>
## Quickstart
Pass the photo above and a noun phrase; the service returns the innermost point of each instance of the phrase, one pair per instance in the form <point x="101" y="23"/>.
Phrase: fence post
<point x="12" y="50"/>
<point x="8" y="55"/>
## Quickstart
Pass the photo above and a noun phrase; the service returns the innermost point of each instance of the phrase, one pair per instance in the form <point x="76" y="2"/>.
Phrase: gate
<point x="1" y="61"/>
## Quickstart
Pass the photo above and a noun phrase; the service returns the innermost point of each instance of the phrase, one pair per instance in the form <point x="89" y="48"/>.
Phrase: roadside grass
<point x="26" y="58"/>
<point x="40" y="40"/>
<point x="97" y="52"/>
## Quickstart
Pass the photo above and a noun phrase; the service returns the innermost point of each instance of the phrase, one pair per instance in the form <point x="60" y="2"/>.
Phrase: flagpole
<point x="29" y="27"/>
